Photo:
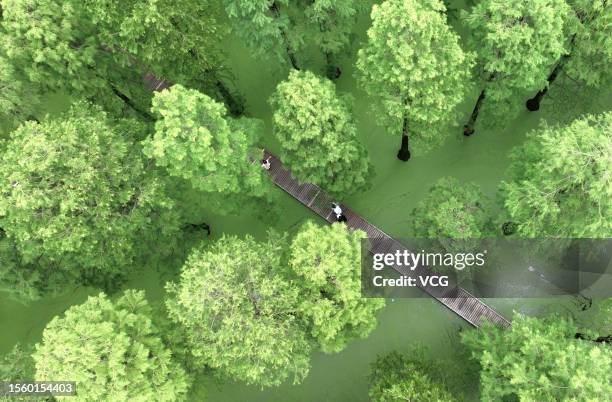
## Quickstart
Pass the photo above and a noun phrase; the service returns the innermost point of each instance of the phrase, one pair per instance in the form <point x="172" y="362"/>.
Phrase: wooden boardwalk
<point x="154" y="83"/>
<point x="467" y="306"/>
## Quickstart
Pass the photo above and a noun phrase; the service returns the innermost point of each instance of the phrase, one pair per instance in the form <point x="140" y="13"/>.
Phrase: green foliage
<point x="266" y="26"/>
<point x="17" y="365"/>
<point x="453" y="210"/>
<point x="326" y="264"/>
<point x="21" y="281"/>
<point x="414" y="66"/>
<point x="57" y="44"/>
<point x="560" y="184"/>
<point x="238" y="313"/>
<point x="98" y="49"/>
<point x="334" y="20"/>
<point x="591" y="52"/>
<point x="78" y="203"/>
<point x="397" y="377"/>
<point x="112" y="350"/>
<point x="175" y="39"/>
<point x="517" y="42"/>
<point x="539" y="360"/>
<point x="18" y="98"/>
<point x="195" y="140"/>
<point x="318" y="135"/>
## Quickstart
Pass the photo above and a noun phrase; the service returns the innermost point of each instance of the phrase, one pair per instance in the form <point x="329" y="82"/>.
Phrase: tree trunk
<point x="600" y="339"/>
<point x="290" y="53"/>
<point x="198" y="226"/>
<point x="533" y="104"/>
<point x="234" y="104"/>
<point x="333" y="72"/>
<point x="468" y="129"/>
<point x="130" y="103"/>
<point x="404" y="153"/>
<point x="509" y="228"/>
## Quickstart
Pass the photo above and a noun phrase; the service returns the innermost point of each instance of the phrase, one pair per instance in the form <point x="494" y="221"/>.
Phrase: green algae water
<point x="396" y="189"/>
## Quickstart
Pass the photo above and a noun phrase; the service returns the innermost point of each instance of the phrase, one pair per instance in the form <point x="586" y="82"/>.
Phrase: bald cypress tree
<point x="517" y="42"/>
<point x="588" y="57"/>
<point x="413" y="66"/>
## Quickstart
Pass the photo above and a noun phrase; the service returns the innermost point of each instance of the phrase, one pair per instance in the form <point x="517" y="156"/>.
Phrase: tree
<point x="326" y="263"/>
<point x="397" y="377"/>
<point x="112" y="350"/>
<point x="540" y="360"/>
<point x="78" y="203"/>
<point x="559" y="183"/>
<point x="453" y="218"/>
<point x="175" y="39"/>
<point x="101" y="50"/>
<point x="454" y="210"/>
<point x="17" y="366"/>
<point x="318" y="135"/>
<point x="267" y="27"/>
<point x="517" y="42"/>
<point x="413" y="64"/>
<point x="589" y="52"/>
<point x="238" y="314"/>
<point x="18" y="99"/>
<point x="56" y="44"/>
<point x="195" y="140"/>
<point x="333" y="21"/>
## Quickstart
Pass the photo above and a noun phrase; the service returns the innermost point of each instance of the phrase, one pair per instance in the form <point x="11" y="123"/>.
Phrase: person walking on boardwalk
<point x="340" y="217"/>
<point x="265" y="163"/>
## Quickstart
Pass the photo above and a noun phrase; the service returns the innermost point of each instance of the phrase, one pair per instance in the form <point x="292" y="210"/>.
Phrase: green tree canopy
<point x="517" y="43"/>
<point x="560" y="182"/>
<point x="18" y="98"/>
<point x="591" y="49"/>
<point x="540" y="360"/>
<point x="413" y="64"/>
<point x="112" y="350"/>
<point x="318" y="135"/>
<point x="196" y="141"/>
<point x="17" y="365"/>
<point x="333" y="21"/>
<point x="78" y="202"/>
<point x="101" y="49"/>
<point x="397" y="377"/>
<point x="238" y="314"/>
<point x="57" y="44"/>
<point x="175" y="39"/>
<point x="588" y="56"/>
<point x="268" y="27"/>
<point x="454" y="210"/>
<point x="326" y="264"/>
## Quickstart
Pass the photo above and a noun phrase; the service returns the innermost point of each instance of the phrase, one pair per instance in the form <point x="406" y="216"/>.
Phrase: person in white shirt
<point x="340" y="217"/>
<point x="265" y="163"/>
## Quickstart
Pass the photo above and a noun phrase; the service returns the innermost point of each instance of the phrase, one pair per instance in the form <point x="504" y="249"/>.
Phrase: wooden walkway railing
<point x="467" y="306"/>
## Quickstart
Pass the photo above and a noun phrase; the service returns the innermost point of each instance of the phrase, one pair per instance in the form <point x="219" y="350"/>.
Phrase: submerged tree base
<point x="403" y="155"/>
<point x="533" y="105"/>
<point x="333" y="72"/>
<point x="468" y="131"/>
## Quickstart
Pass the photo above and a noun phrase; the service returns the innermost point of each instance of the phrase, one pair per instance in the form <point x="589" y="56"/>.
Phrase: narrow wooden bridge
<point x="467" y="306"/>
